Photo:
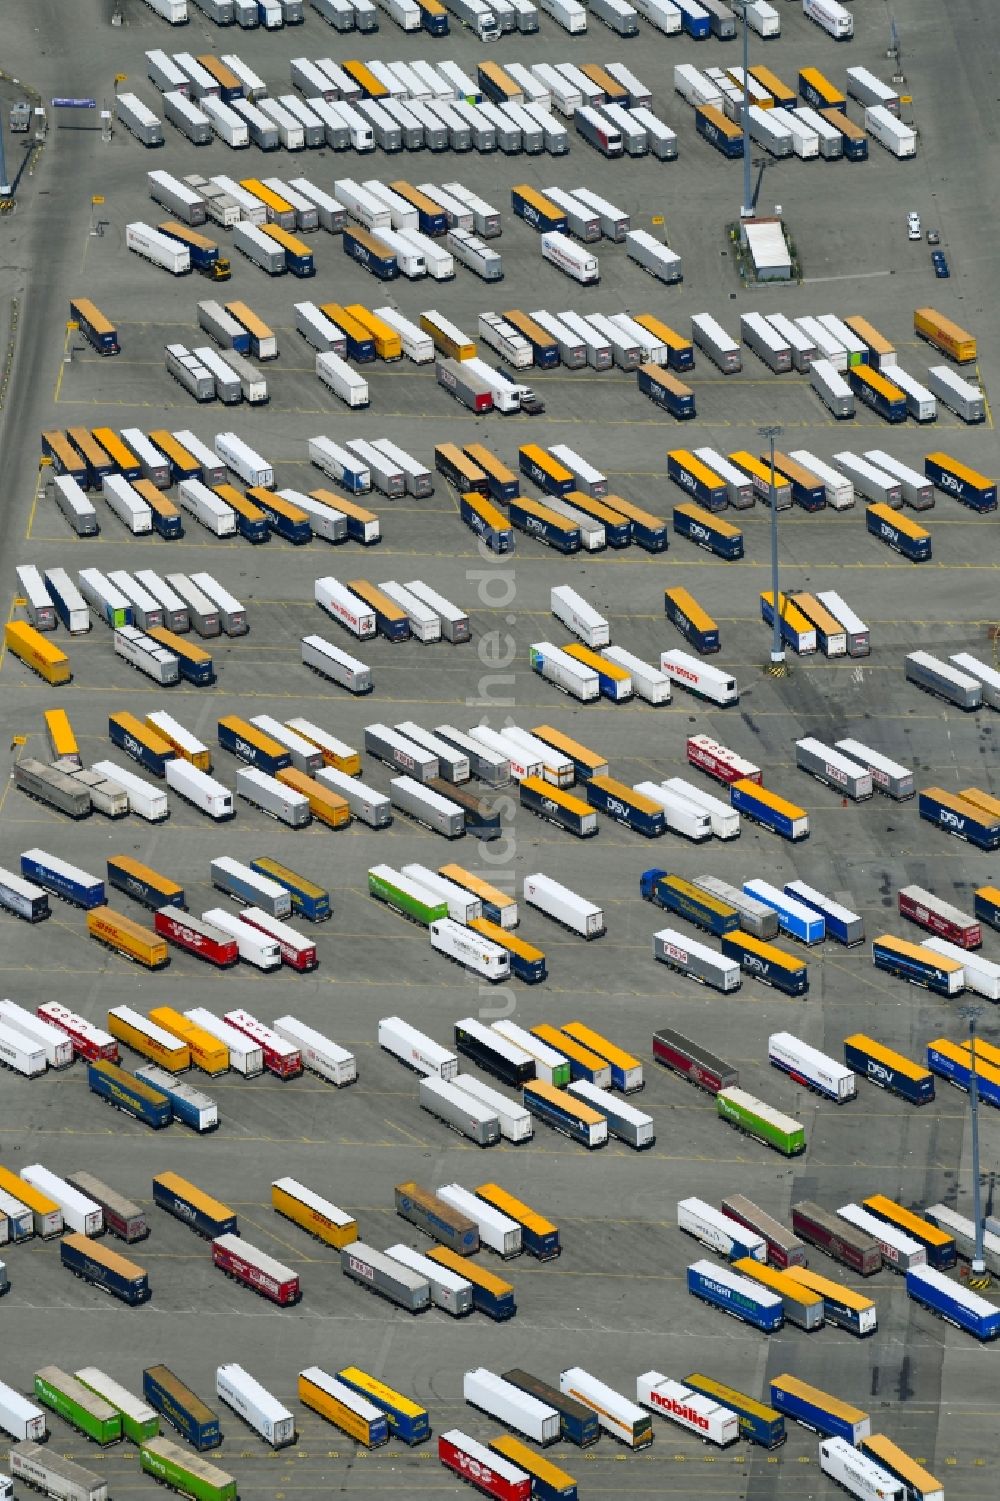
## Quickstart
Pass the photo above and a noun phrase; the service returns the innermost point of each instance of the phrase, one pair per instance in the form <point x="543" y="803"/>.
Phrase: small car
<point x="913" y="226"/>
<point x="933" y="237"/>
<point x="940" y="264"/>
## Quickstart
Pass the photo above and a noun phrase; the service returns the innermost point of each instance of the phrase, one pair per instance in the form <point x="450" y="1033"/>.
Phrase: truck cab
<point x="530" y="403"/>
<point x="20" y="121"/>
<point x="648" y="882"/>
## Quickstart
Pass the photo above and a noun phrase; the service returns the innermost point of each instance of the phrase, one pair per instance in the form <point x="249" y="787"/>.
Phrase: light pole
<point x="777" y="650"/>
<point x="740" y="7"/>
<point x="971" y="1014"/>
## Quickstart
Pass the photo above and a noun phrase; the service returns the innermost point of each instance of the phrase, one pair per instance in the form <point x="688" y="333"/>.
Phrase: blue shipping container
<point x="252" y="529"/>
<point x="917" y="1091"/>
<point x="762" y="1310"/>
<point x="745" y="800"/>
<point x="116" y="1086"/>
<point x="625" y="810"/>
<point x="889" y="408"/>
<point x="541" y="476"/>
<point x="678" y="404"/>
<point x="384" y="266"/>
<point x="136" y="886"/>
<point x="695" y="21"/>
<point x="715" y="497"/>
<point x="806" y="927"/>
<point x="538" y="215"/>
<point x="537" y="800"/>
<point x="411" y="1428"/>
<point x="958" y="1073"/>
<point x="846" y="927"/>
<point x="908" y="967"/>
<point x="147" y="757"/>
<point x="730" y="145"/>
<point x="294" y="530"/>
<point x="435" y="24"/>
<point x="971" y="489"/>
<point x="306" y="901"/>
<point x="190" y="1106"/>
<point x="802" y="642"/>
<point x="563" y="538"/>
<point x="168" y="527"/>
<point x="725" y="542"/>
<point x="965" y="825"/>
<point x="86" y="893"/>
<point x="497" y="539"/>
<point x="769" y="1432"/>
<point x="985" y="908"/>
<point x="813" y="1415"/>
<point x="199" y="674"/>
<point x="704" y="639"/>
<point x="209" y="1226"/>
<point x="654" y="887"/>
<point x="916" y="548"/>
<point x="954" y="1303"/>
<point x="254" y="755"/>
<point x="181" y="1408"/>
<point x="74" y="1257"/>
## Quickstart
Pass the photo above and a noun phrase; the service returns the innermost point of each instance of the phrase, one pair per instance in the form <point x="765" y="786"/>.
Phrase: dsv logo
<point x="879" y="1071"/>
<point x="952" y="820"/>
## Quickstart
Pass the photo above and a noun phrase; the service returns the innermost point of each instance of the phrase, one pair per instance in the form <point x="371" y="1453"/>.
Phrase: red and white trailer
<point x="256" y="1270"/>
<point x="689" y="1409"/>
<point x="720" y="762"/>
<point x="297" y="951"/>
<point x="929" y="911"/>
<point x="280" y="1057"/>
<point x="88" y="1041"/>
<point x="481" y="1468"/>
<point x="197" y="936"/>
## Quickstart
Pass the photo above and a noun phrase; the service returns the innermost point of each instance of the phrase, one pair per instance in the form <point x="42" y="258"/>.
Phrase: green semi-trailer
<point x="68" y="1397"/>
<point x="184" y="1472"/>
<point x="754" y="1118"/>
<point x="405" y="896"/>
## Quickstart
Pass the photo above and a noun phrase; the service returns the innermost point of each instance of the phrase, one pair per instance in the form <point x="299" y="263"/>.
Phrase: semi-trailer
<point x="52" y="1475"/>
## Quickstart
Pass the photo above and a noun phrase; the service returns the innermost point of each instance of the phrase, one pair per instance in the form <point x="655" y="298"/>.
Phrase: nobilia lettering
<point x="679" y="1409"/>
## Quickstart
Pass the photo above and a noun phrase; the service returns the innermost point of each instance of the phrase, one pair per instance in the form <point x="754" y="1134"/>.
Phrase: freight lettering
<point x="951" y="819"/>
<point x="248" y="752"/>
<point x="677" y="671"/>
<point x="675" y="953"/>
<point x="687" y="480"/>
<point x="836" y="774"/>
<point x="671" y="1404"/>
<point x="694" y="530"/>
<point x="132" y="746"/>
<point x="879" y="1071"/>
<point x="614" y="806"/>
<point x="949" y="482"/>
<point x="684" y="625"/>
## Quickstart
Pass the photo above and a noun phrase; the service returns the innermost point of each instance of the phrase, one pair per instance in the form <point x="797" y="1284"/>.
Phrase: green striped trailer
<point x="754" y="1118"/>
<point x="407" y="897"/>
<point x="185" y="1472"/>
<point x="68" y="1397"/>
<point x="139" y="1420"/>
